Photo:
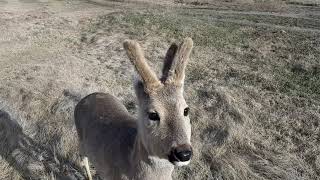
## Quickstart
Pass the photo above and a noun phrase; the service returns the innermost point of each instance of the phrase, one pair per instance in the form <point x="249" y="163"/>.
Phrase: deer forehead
<point x="168" y="100"/>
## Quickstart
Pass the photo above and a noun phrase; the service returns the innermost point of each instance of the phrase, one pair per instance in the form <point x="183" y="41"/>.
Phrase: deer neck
<point x="145" y="166"/>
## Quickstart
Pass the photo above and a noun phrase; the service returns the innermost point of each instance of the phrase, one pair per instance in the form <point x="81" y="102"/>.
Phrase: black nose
<point x="183" y="152"/>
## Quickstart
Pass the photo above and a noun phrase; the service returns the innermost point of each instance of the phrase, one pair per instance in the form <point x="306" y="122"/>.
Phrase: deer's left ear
<point x="176" y="72"/>
<point x="168" y="61"/>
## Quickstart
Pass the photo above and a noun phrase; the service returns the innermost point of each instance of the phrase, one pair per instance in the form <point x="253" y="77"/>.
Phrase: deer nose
<point x="183" y="152"/>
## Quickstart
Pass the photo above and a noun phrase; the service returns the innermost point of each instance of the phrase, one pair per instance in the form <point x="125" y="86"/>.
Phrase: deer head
<point x="163" y="124"/>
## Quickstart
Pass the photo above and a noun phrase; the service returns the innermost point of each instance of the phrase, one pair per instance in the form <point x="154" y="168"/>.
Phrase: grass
<point x="304" y="2"/>
<point x="141" y="25"/>
<point x="221" y="36"/>
<point x="253" y="90"/>
<point x="297" y="81"/>
<point x="242" y="70"/>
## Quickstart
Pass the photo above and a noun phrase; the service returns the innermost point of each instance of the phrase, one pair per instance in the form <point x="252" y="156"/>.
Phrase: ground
<point x="252" y="82"/>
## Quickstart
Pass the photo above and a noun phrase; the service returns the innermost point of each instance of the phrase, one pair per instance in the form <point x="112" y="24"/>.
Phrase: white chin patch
<point x="179" y="163"/>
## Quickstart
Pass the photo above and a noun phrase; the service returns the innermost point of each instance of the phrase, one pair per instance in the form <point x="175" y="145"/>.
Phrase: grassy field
<point x="252" y="82"/>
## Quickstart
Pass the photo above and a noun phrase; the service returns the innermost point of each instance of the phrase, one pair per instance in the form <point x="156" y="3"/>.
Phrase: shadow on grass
<point x="29" y="158"/>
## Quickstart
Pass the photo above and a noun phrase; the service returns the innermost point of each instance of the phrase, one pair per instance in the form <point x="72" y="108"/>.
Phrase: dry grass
<point x="252" y="84"/>
<point x="304" y="2"/>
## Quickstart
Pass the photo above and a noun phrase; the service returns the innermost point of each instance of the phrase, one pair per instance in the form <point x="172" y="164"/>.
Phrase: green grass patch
<point x="299" y="81"/>
<point x="171" y="25"/>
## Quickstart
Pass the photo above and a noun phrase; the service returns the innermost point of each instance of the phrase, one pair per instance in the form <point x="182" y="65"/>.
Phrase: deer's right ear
<point x="168" y="61"/>
<point x="135" y="54"/>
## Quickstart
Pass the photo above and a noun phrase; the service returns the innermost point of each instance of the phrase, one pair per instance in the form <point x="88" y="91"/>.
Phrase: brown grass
<point x="252" y="84"/>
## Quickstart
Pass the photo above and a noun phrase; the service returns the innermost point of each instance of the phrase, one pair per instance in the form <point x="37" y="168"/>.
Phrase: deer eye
<point x="154" y="116"/>
<point x="186" y="111"/>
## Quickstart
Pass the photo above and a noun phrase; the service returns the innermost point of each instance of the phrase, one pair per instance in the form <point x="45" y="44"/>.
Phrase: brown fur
<point x="136" y="56"/>
<point x="176" y="73"/>
<point x="121" y="147"/>
<point x="168" y="61"/>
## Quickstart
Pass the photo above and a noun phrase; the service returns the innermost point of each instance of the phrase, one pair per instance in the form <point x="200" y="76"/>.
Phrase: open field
<point x="252" y="82"/>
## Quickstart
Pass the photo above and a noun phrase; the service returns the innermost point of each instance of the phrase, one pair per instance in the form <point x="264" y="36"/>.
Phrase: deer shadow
<point x="30" y="159"/>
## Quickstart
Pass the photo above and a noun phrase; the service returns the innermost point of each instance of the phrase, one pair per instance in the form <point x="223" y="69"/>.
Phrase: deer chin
<point x="180" y="163"/>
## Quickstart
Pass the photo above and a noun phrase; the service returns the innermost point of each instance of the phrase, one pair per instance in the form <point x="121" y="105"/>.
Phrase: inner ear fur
<point x="168" y="61"/>
<point x="174" y="69"/>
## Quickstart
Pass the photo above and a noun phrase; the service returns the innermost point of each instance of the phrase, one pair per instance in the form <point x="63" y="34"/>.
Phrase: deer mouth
<point x="176" y="161"/>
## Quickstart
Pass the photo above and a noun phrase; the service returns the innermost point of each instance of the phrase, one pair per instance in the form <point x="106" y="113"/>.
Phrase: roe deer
<point x="123" y="147"/>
